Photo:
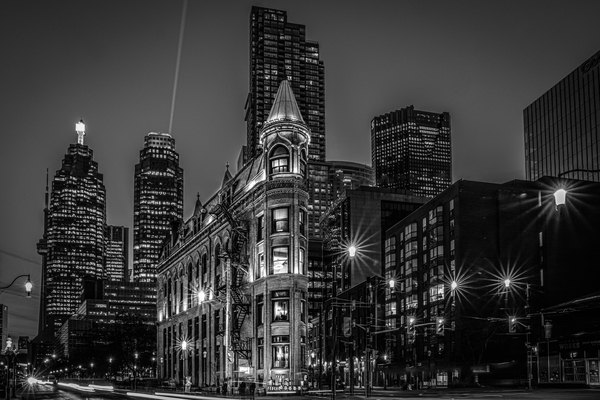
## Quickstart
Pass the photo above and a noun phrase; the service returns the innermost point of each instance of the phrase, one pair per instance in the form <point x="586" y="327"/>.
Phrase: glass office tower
<point x="73" y="242"/>
<point x="561" y="127"/>
<point x="157" y="202"/>
<point x="117" y="253"/>
<point x="411" y="150"/>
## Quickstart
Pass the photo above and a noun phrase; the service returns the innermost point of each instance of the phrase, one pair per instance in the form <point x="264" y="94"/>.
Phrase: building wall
<point x="561" y="127"/>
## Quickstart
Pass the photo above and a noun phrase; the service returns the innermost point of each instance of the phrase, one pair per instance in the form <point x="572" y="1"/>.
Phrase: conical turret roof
<point x="198" y="207"/>
<point x="227" y="176"/>
<point x="285" y="107"/>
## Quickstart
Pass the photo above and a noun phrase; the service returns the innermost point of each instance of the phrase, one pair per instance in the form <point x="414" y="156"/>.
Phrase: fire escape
<point x="238" y="259"/>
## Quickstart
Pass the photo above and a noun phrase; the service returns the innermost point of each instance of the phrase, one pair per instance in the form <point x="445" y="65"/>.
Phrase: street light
<point x="10" y="352"/>
<point x="560" y="197"/>
<point x="28" y="284"/>
<point x="352" y="251"/>
<point x="134" y="371"/>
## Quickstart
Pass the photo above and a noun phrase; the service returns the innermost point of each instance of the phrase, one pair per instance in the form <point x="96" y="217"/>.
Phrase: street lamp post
<point x="28" y="284"/>
<point x="11" y="376"/>
<point x="134" y="372"/>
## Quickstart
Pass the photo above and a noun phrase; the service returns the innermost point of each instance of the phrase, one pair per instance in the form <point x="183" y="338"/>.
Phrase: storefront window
<point x="281" y="356"/>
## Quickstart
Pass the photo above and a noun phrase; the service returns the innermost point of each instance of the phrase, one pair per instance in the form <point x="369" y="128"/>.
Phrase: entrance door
<point x="593" y="372"/>
<point x="574" y="370"/>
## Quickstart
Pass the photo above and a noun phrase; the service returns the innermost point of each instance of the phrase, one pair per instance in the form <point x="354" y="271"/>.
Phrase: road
<point x="446" y="394"/>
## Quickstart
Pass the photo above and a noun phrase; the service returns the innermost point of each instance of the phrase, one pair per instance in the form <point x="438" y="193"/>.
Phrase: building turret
<point x="285" y="136"/>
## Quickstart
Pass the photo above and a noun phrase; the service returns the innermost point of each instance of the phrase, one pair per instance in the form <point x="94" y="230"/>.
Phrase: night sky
<point x="113" y="64"/>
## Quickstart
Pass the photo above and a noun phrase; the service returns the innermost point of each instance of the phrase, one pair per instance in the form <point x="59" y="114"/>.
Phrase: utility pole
<point x="334" y="333"/>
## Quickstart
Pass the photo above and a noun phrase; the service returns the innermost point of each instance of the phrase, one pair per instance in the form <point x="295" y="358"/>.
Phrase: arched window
<point x="280" y="160"/>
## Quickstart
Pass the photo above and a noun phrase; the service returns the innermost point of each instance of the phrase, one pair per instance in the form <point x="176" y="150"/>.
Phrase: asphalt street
<point x="45" y="392"/>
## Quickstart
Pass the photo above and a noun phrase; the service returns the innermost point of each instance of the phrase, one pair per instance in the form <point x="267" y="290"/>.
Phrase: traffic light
<point x="410" y="326"/>
<point x="512" y="324"/>
<point x="439" y="326"/>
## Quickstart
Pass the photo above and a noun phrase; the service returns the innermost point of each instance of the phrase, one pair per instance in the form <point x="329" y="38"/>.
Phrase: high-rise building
<point x="117" y="253"/>
<point x="157" y="202"/>
<point x="3" y="324"/>
<point x="73" y="241"/>
<point x="410" y="150"/>
<point x="279" y="51"/>
<point x="562" y="127"/>
<point x="346" y="175"/>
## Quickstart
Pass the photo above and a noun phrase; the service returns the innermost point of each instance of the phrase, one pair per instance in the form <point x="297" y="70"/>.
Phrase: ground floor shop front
<point x="570" y="361"/>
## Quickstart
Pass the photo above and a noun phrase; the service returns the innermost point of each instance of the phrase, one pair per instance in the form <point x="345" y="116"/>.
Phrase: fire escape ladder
<point x="240" y="306"/>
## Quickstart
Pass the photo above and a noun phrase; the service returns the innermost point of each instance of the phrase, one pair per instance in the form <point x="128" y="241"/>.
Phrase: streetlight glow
<point x="560" y="197"/>
<point x="392" y="283"/>
<point x="453" y="285"/>
<point x="352" y="251"/>
<point x="507" y="283"/>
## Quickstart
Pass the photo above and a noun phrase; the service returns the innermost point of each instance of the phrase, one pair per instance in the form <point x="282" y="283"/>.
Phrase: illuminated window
<point x="280" y="160"/>
<point x="281" y="305"/>
<point x="279" y="262"/>
<point x="281" y="220"/>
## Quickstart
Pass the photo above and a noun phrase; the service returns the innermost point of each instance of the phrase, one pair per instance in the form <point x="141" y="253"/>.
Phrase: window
<point x="261" y="355"/>
<point x="281" y="304"/>
<point x="281" y="356"/>
<point x="301" y="263"/>
<point x="280" y="310"/>
<point x="259" y="310"/>
<point x="303" y="163"/>
<point x="279" y="262"/>
<point x="261" y="271"/>
<point x="281" y="222"/>
<point x="260" y="228"/>
<point x="280" y="160"/>
<point x="302" y="222"/>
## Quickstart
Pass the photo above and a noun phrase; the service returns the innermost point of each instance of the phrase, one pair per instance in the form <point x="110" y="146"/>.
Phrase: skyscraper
<point x="73" y="242"/>
<point x="117" y="253"/>
<point x="562" y="127"/>
<point x="3" y="324"/>
<point x="410" y="149"/>
<point x="279" y="50"/>
<point x="157" y="202"/>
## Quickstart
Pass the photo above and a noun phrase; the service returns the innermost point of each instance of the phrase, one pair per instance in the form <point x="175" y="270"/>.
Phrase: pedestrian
<point x="224" y="389"/>
<point x="251" y="389"/>
<point x="242" y="389"/>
